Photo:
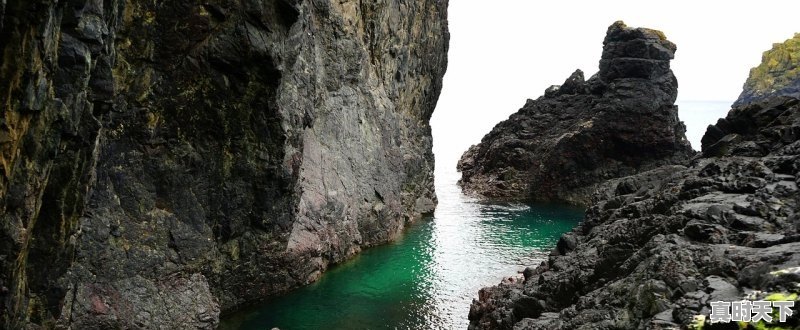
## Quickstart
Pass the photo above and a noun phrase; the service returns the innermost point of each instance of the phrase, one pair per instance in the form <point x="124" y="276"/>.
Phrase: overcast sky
<point x="503" y="52"/>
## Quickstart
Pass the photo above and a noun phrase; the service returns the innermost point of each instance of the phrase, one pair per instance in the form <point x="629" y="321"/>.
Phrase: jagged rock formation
<point x="657" y="247"/>
<point x="778" y="74"/>
<point x="561" y="146"/>
<point x="165" y="160"/>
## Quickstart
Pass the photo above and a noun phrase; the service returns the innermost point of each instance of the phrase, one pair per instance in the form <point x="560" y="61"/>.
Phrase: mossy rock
<point x="778" y="73"/>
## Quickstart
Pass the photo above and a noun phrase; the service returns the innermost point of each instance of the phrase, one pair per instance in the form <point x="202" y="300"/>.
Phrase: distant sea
<point x="697" y="115"/>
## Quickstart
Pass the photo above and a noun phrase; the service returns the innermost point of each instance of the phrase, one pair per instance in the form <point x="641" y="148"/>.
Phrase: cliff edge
<point x="166" y="161"/>
<point x="778" y="73"/>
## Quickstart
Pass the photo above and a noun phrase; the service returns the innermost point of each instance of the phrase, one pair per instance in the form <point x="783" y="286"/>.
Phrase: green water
<point x="427" y="278"/>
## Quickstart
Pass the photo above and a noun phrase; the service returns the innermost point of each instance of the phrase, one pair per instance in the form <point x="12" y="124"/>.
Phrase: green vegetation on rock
<point x="778" y="73"/>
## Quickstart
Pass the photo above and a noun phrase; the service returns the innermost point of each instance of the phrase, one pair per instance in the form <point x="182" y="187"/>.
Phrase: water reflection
<point x="426" y="279"/>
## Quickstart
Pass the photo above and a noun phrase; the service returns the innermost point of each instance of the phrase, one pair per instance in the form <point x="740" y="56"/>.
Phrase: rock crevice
<point x="163" y="161"/>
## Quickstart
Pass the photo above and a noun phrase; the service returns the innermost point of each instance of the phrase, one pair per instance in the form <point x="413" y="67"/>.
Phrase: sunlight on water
<point x="427" y="278"/>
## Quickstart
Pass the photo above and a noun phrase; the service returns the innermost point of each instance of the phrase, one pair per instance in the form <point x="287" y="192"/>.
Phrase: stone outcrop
<point x="163" y="161"/>
<point x="778" y="74"/>
<point x="655" y="248"/>
<point x="561" y="146"/>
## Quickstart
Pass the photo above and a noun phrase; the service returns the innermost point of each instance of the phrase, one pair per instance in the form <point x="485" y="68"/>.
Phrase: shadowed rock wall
<point x="166" y="160"/>
<point x="561" y="146"/>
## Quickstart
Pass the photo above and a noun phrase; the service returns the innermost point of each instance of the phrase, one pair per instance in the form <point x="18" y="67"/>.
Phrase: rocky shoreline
<point x="560" y="147"/>
<point x="657" y="247"/>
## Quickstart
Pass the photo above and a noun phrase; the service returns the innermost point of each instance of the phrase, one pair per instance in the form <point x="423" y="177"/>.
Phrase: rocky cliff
<point x="561" y="146"/>
<point x="657" y="247"/>
<point x="778" y="73"/>
<point x="163" y="161"/>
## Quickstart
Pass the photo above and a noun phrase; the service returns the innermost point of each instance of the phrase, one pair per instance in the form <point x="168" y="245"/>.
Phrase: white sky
<point x="503" y="52"/>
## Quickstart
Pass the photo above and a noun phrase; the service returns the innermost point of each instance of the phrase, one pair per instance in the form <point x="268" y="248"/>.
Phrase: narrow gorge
<point x="269" y="164"/>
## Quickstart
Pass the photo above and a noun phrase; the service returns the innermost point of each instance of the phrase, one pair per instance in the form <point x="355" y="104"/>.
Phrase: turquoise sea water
<point x="428" y="277"/>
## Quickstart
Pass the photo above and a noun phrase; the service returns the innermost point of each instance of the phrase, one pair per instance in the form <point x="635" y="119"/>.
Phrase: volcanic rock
<point x="560" y="147"/>
<point x="163" y="161"/>
<point x="656" y="248"/>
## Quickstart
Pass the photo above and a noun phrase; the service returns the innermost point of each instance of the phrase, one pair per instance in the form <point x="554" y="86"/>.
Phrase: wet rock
<point x="528" y="273"/>
<point x="563" y="145"/>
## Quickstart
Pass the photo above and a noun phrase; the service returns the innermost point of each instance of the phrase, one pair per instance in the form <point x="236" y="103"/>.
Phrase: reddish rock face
<point x="561" y="146"/>
<point x="98" y="306"/>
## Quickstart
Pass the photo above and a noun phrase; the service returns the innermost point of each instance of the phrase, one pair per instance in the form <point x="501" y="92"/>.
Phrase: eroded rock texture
<point x="778" y="74"/>
<point x="166" y="160"/>
<point x="561" y="146"/>
<point x="657" y="247"/>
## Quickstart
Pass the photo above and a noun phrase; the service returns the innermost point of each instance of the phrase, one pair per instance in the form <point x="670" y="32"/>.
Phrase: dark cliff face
<point x="655" y="248"/>
<point x="561" y="146"/>
<point x="778" y="74"/>
<point x="166" y="160"/>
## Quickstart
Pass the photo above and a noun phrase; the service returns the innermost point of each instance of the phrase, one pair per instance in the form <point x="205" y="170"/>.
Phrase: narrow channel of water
<point x="427" y="278"/>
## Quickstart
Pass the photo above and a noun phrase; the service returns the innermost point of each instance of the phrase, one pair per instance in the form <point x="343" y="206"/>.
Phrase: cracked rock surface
<point x="163" y="161"/>
<point x="655" y="248"/>
<point x="561" y="146"/>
